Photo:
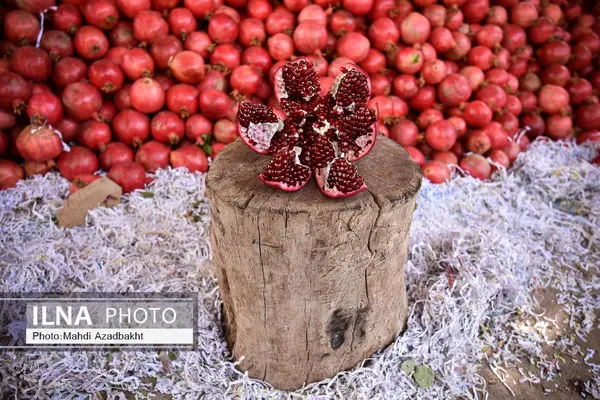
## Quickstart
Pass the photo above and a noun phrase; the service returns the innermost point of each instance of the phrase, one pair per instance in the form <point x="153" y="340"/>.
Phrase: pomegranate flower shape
<point x="320" y="136"/>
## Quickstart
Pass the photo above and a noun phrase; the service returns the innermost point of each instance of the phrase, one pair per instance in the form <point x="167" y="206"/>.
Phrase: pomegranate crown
<point x="320" y="136"/>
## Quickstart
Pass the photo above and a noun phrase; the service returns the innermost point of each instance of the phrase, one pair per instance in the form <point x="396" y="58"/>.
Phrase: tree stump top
<point x="388" y="171"/>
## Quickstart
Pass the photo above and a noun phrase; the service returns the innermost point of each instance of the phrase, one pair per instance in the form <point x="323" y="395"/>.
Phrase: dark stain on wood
<point x="336" y="330"/>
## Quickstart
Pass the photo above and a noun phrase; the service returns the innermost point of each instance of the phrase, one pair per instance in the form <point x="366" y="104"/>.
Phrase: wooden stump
<point x="311" y="285"/>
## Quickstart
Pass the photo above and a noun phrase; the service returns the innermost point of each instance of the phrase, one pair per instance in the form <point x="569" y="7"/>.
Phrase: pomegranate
<point x="260" y="9"/>
<point x="497" y="135"/>
<point x="409" y="60"/>
<point x="131" y="127"/>
<point x="477" y="141"/>
<point x="481" y="57"/>
<point x="405" y="86"/>
<point x="442" y="39"/>
<point x="436" y="14"/>
<point x="461" y="49"/>
<point x="214" y="103"/>
<point x="436" y="171"/>
<point x="384" y="34"/>
<point x="225" y="58"/>
<point x="90" y="42"/>
<point x="281" y="46"/>
<point x="245" y="79"/>
<point x="115" y="153"/>
<point x="591" y="136"/>
<point x="213" y="80"/>
<point x="68" y="129"/>
<point x="102" y="14"/>
<point x="66" y="18"/>
<point x="459" y="124"/>
<point x="425" y="98"/>
<point x="116" y="54"/>
<point x="77" y="161"/>
<point x="416" y="155"/>
<point x="252" y="32"/>
<point x="225" y="131"/>
<point x="559" y="127"/>
<point x="579" y="90"/>
<point x="524" y="14"/>
<point x="163" y="48"/>
<point x="106" y="76"/>
<point x="82" y="100"/>
<point x="476" y="166"/>
<point x="380" y="85"/>
<point x="149" y="26"/>
<point x="187" y="67"/>
<point x="536" y="124"/>
<point x="290" y="170"/>
<point x="7" y="120"/>
<point x="58" y="44"/>
<point x="498" y="159"/>
<point x="20" y="27"/>
<point x="493" y="96"/>
<point x="196" y="127"/>
<point x="446" y="157"/>
<point x="552" y="99"/>
<point x="310" y="36"/>
<point x="357" y="7"/>
<point x="182" y="99"/>
<point x="477" y="114"/>
<point x="129" y="175"/>
<point x="405" y="133"/>
<point x="153" y="155"/>
<point x="137" y="63"/>
<point x="497" y="15"/>
<point x="167" y="127"/>
<point x="38" y="143"/>
<point x="222" y="28"/>
<point x="44" y="108"/>
<point x="474" y="75"/>
<point x="181" y="22"/>
<point x="122" y="35"/>
<point x="427" y="117"/>
<point x="415" y="28"/>
<point x="530" y="82"/>
<point x="147" y="95"/>
<point x="541" y="32"/>
<point x="94" y="135"/>
<point x="260" y="58"/>
<point x="122" y="99"/>
<point x="10" y="174"/>
<point x="200" y="8"/>
<point x="279" y="21"/>
<point x="342" y="22"/>
<point x="440" y="135"/>
<point x="32" y="168"/>
<point x="453" y="90"/>
<point x="587" y="116"/>
<point x="81" y="181"/>
<point x="31" y="63"/>
<point x="189" y="157"/>
<point x="556" y="52"/>
<point x="454" y="18"/>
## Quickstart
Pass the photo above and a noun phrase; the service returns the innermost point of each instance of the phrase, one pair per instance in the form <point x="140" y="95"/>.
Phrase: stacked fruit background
<point x="131" y="86"/>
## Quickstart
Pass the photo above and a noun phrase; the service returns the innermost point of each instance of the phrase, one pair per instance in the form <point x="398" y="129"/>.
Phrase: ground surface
<point x="502" y="285"/>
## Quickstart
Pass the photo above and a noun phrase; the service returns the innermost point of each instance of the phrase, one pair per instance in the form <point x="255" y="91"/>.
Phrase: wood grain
<point x="310" y="285"/>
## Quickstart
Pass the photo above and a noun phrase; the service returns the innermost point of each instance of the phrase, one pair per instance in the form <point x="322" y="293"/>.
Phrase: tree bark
<point x="311" y="285"/>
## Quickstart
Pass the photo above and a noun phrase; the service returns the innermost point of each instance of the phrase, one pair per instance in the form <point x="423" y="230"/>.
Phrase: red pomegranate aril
<point x="153" y="155"/>
<point x="102" y="14"/>
<point x="167" y="127"/>
<point x="416" y="155"/>
<point x="189" y="157"/>
<point x="131" y="127"/>
<point x="196" y="127"/>
<point x="187" y="67"/>
<point x="10" y="174"/>
<point x="476" y="166"/>
<point x="214" y="104"/>
<point x="58" y="44"/>
<point x="129" y="175"/>
<point x="147" y="95"/>
<point x="310" y="36"/>
<point x="44" y="108"/>
<point x="77" y="161"/>
<point x="106" y="76"/>
<point x="115" y="153"/>
<point x="31" y="63"/>
<point x="82" y="100"/>
<point x="440" y="135"/>
<point x="94" y="135"/>
<point x="90" y="42"/>
<point x="122" y="35"/>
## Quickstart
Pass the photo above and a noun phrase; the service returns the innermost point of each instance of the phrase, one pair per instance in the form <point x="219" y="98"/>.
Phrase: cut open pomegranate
<point x="320" y="135"/>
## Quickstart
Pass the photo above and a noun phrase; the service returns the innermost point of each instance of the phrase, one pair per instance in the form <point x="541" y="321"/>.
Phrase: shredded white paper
<point x="477" y="253"/>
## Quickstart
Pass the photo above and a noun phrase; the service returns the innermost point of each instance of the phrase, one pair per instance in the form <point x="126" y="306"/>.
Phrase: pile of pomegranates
<point x="130" y="86"/>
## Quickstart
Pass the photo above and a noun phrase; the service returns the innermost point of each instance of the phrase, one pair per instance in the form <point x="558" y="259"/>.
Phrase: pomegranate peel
<point x="320" y="135"/>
